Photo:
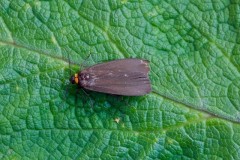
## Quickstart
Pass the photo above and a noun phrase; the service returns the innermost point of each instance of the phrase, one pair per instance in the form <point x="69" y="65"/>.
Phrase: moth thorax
<point x="85" y="79"/>
<point x="85" y="76"/>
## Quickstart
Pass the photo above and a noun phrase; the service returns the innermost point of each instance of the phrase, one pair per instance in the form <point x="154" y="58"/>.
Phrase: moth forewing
<point x="128" y="77"/>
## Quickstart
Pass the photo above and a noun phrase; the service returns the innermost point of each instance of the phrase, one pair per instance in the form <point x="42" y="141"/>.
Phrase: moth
<point x="126" y="77"/>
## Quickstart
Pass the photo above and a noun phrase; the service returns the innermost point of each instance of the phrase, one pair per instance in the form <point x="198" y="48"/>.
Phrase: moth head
<point x="74" y="79"/>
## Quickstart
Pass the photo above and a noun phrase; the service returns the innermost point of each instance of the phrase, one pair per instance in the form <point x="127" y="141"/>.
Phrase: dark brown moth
<point x="127" y="77"/>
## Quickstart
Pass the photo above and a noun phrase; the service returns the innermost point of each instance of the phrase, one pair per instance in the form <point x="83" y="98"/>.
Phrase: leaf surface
<point x="194" y="53"/>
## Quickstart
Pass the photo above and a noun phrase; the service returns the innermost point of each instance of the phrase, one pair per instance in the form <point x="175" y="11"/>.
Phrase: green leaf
<point x="194" y="53"/>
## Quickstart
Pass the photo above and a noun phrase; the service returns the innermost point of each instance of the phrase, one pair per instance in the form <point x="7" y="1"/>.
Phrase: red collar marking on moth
<point x="76" y="78"/>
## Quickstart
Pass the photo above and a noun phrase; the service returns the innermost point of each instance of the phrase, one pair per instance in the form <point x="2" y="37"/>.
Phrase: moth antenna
<point x="69" y="66"/>
<point x="82" y="64"/>
<point x="88" y="55"/>
<point x="67" y="86"/>
<point x="87" y="95"/>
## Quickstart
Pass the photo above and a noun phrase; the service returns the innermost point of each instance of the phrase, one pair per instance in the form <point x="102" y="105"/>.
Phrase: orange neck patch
<point x="76" y="78"/>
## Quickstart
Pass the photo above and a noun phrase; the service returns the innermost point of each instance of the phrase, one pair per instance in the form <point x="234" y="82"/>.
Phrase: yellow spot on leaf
<point x="117" y="120"/>
<point x="53" y="39"/>
<point x="124" y="1"/>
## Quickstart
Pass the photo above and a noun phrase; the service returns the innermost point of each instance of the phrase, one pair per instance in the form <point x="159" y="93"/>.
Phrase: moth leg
<point x="76" y="96"/>
<point x="120" y="98"/>
<point x="85" y="92"/>
<point x="84" y="99"/>
<point x="88" y="95"/>
<point x="65" y="96"/>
